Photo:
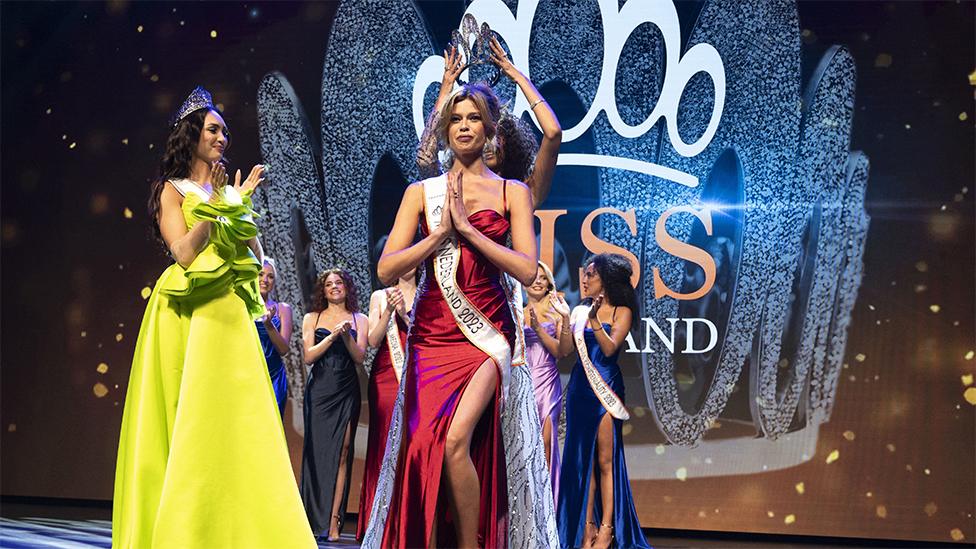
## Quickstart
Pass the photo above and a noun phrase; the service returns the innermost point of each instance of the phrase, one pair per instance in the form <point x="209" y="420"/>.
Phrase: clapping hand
<point x="394" y="300"/>
<point x="253" y="180"/>
<point x="558" y="304"/>
<point x="597" y="301"/>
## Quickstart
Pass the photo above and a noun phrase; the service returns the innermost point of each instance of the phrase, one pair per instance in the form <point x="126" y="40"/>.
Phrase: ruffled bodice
<point x="226" y="262"/>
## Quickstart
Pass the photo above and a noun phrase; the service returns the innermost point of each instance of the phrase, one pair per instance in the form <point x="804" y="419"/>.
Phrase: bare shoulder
<point x="285" y="307"/>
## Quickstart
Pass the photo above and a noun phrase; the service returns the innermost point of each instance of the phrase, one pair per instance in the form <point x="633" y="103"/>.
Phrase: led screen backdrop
<point x="792" y="181"/>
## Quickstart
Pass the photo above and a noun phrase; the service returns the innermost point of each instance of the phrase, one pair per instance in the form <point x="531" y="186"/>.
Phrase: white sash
<point x="470" y="320"/>
<point x="606" y="396"/>
<point x="513" y="289"/>
<point x="393" y="343"/>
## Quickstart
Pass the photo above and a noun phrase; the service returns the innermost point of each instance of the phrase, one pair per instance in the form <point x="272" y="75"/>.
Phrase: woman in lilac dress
<point x="547" y="339"/>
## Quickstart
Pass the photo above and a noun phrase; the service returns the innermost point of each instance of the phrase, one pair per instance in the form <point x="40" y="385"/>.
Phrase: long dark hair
<point x="320" y="303"/>
<point x="615" y="272"/>
<point x="519" y="148"/>
<point x="176" y="161"/>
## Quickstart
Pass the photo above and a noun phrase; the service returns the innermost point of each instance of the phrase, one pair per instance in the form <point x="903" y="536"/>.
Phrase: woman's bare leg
<point x="459" y="471"/>
<point x="604" y="460"/>
<point x="335" y="529"/>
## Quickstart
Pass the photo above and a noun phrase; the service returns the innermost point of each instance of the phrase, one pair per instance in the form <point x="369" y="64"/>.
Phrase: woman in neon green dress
<point x="202" y="458"/>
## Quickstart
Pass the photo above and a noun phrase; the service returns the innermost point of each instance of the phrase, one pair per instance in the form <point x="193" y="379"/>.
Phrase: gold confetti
<point x="972" y="78"/>
<point x="73" y="145"/>
<point x="770" y="514"/>
<point x="627" y="429"/>
<point x="881" y="511"/>
<point x="139" y="28"/>
<point x="861" y="357"/>
<point x="681" y="474"/>
<point x="928" y="471"/>
<point x="125" y="141"/>
<point x="639" y="411"/>
<point x="849" y="435"/>
<point x="919" y="288"/>
<point x="890" y="447"/>
<point x="969" y="355"/>
<point x="668" y="499"/>
<point x="146" y="292"/>
<point x="956" y="534"/>
<point x="100" y="390"/>
<point x="963" y="116"/>
<point x="154" y="78"/>
<point x="84" y="333"/>
<point x="127" y="213"/>
<point x="869" y="495"/>
<point x="970" y="395"/>
<point x="800" y="488"/>
<point x="47" y="111"/>
<point x="908" y="467"/>
<point x="102" y="368"/>
<point x="11" y="428"/>
<point x="789" y="519"/>
<point x="921" y="266"/>
<point x="702" y="514"/>
<point x="659" y="449"/>
<point x="883" y="61"/>
<point x="931" y="508"/>
<point x="935" y="308"/>
<point x="118" y="337"/>
<point x="967" y="379"/>
<point x="213" y="34"/>
<point x="833" y="456"/>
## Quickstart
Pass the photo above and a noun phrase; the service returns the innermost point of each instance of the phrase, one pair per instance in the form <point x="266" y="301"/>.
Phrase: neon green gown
<point x="202" y="456"/>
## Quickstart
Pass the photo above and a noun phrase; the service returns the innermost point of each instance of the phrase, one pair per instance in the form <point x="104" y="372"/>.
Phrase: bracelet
<point x="536" y="103"/>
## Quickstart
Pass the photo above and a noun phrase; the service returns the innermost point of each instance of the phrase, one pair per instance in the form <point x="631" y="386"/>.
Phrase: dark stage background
<point x="87" y="90"/>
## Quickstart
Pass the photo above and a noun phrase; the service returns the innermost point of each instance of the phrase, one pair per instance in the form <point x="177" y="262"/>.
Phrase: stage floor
<point x="84" y="527"/>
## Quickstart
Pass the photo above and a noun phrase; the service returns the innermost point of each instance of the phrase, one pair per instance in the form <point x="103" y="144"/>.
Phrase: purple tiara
<point x="199" y="98"/>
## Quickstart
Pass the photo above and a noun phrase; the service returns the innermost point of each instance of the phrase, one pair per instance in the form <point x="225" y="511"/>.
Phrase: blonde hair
<point x="269" y="261"/>
<point x="484" y="99"/>
<point x="549" y="277"/>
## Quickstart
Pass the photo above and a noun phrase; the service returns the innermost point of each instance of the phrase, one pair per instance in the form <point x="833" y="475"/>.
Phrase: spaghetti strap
<point x="317" y="317"/>
<point x="504" y="196"/>
<point x="613" y="317"/>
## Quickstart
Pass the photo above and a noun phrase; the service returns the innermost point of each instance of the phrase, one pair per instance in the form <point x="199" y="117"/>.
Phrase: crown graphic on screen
<point x="723" y="120"/>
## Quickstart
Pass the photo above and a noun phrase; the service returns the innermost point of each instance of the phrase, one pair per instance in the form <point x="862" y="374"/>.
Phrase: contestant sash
<point x="470" y="320"/>
<point x="393" y="343"/>
<point x="613" y="404"/>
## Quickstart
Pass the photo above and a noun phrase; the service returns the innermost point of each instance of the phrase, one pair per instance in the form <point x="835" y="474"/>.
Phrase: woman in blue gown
<point x="274" y="330"/>
<point x="595" y="507"/>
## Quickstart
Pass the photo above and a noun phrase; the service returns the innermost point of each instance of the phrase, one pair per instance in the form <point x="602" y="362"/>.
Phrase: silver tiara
<point x="474" y="44"/>
<point x="198" y="99"/>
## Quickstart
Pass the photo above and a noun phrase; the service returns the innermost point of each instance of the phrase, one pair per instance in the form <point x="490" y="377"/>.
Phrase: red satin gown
<point x="440" y="364"/>
<point x="382" y="392"/>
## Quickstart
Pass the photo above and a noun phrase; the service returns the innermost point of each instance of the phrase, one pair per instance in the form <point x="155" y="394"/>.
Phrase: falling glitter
<point x="969" y="355"/>
<point x="919" y="288"/>
<point x="702" y="514"/>
<point x="139" y="28"/>
<point x="146" y="292"/>
<point x="73" y="145"/>
<point x="833" y="456"/>
<point x="935" y="308"/>
<point x="102" y="368"/>
<point x="627" y="428"/>
<point x="84" y="333"/>
<point x="963" y="116"/>
<point x="213" y="34"/>
<point x="881" y="511"/>
<point x="770" y="514"/>
<point x="861" y="357"/>
<point x="970" y="395"/>
<point x="118" y="337"/>
<point x="659" y="449"/>
<point x="967" y="379"/>
<point x="921" y="266"/>
<point x="789" y="519"/>
<point x="800" y="488"/>
<point x="125" y="141"/>
<point x="890" y="447"/>
<point x="928" y="471"/>
<point x="931" y="508"/>
<point x="681" y="474"/>
<point x="869" y="494"/>
<point x="100" y="390"/>
<point x="972" y="78"/>
<point x="11" y="428"/>
<point x="849" y="435"/>
<point x="127" y="213"/>
<point x="956" y="534"/>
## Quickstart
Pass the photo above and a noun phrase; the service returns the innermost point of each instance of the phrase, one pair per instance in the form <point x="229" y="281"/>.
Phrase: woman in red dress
<point x="450" y="485"/>
<point x="389" y="319"/>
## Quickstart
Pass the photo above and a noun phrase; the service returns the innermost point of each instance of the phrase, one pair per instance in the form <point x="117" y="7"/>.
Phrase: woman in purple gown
<point x="547" y="341"/>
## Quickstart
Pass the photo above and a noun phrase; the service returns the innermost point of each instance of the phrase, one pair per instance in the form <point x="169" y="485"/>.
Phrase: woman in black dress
<point x="334" y="334"/>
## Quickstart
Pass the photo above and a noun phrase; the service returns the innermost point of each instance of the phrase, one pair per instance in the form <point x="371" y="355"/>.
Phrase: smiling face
<point x="334" y="289"/>
<point x="214" y="138"/>
<point x="540" y="286"/>
<point x="591" y="283"/>
<point x="266" y="280"/>
<point x="466" y="130"/>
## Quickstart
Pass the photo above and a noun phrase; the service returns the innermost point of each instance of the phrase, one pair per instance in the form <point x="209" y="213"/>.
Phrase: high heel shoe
<point x="338" y="521"/>
<point x="611" y="543"/>
<point x="589" y="534"/>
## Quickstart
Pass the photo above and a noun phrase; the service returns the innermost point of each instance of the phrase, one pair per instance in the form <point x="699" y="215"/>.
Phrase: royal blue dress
<point x="583" y="415"/>
<point x="276" y="366"/>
